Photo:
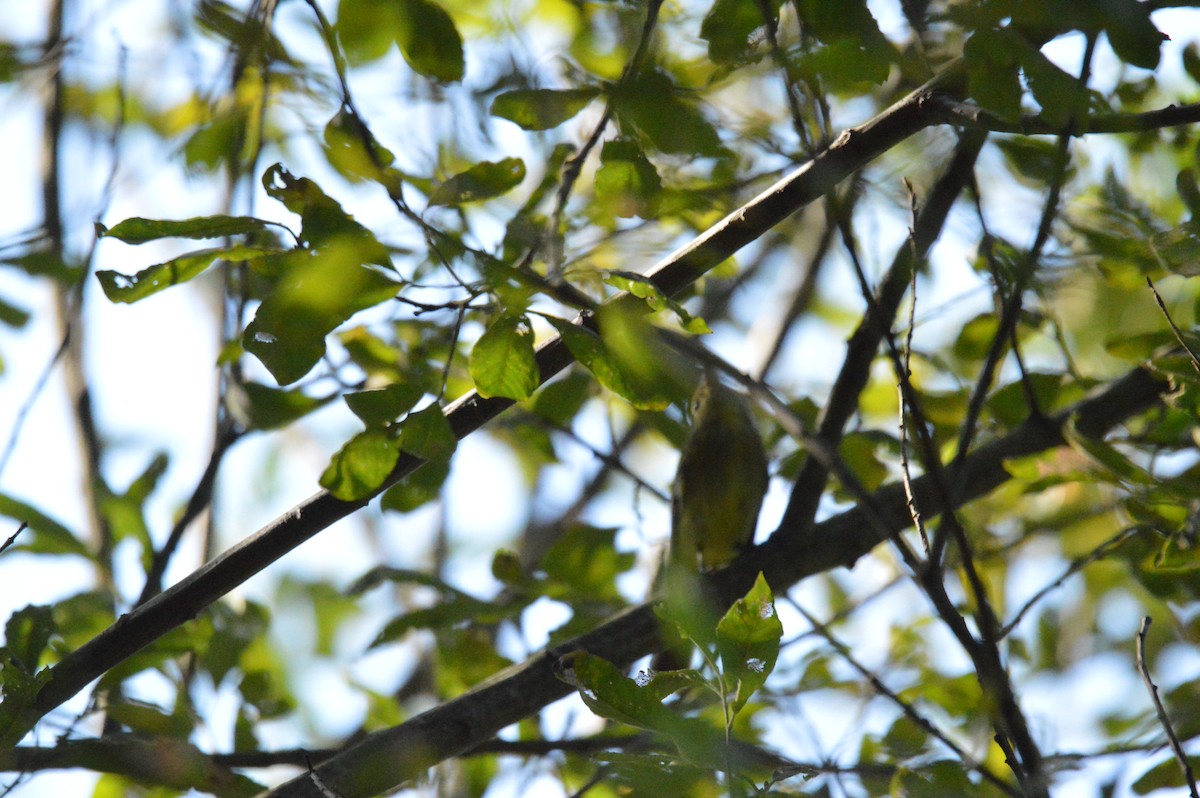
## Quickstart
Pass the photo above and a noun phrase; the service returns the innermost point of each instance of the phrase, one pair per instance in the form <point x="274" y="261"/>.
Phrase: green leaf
<point x="148" y="719"/>
<point x="1108" y="457"/>
<point x="42" y="263"/>
<point x="332" y="609"/>
<point x="593" y="354"/>
<point x="49" y="536"/>
<point x="389" y="575"/>
<point x="905" y="738"/>
<point x="975" y="338"/>
<point x="12" y="315"/>
<point x="27" y="634"/>
<point x="933" y="780"/>
<point x="992" y="73"/>
<point x="859" y="452"/>
<point x="653" y="105"/>
<point x="424" y="32"/>
<point x="272" y="408"/>
<point x="561" y="400"/>
<point x="748" y="639"/>
<point x="138" y="230"/>
<point x="585" y="563"/>
<point x="1060" y="95"/>
<point x="429" y="41"/>
<point x="1191" y="61"/>
<point x="384" y="405"/>
<point x="234" y="631"/>
<point x="656" y="300"/>
<point x="729" y="25"/>
<point x="361" y="465"/>
<point x="541" y="109"/>
<point x="1033" y="159"/>
<point x="417" y="489"/>
<point x="322" y="219"/>
<point x="453" y="606"/>
<point x="1189" y="191"/>
<point x="482" y="181"/>
<point x="427" y="434"/>
<point x="1167" y="774"/>
<point x="502" y="360"/>
<point x="355" y="153"/>
<point x="649" y="366"/>
<point x="125" y="513"/>
<point x="18" y="691"/>
<point x="366" y="29"/>
<point x="457" y="610"/>
<point x="845" y="65"/>
<point x="319" y="293"/>
<point x="607" y="692"/>
<point x="1131" y="32"/>
<point x="654" y="773"/>
<point x="627" y="181"/>
<point x="219" y="140"/>
<point x="847" y="19"/>
<point x="149" y="281"/>
<point x="1178" y="249"/>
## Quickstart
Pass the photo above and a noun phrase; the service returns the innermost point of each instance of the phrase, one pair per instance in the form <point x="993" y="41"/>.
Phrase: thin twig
<point x="1077" y="565"/>
<point x="13" y="537"/>
<point x="968" y="115"/>
<point x="574" y="165"/>
<point x="904" y="384"/>
<point x="910" y="712"/>
<point x="1163" y="719"/>
<point x="1174" y="329"/>
<point x="200" y="499"/>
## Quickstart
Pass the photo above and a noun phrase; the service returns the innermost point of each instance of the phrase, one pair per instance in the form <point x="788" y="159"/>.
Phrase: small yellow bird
<point x="718" y="492"/>
<point x="721" y="480"/>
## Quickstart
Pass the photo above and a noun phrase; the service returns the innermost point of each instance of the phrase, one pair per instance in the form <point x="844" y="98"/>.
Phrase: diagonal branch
<point x="170" y="609"/>
<point x="864" y="343"/>
<point x="384" y="760"/>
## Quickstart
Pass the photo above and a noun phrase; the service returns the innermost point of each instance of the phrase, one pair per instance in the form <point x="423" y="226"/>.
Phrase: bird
<point x="720" y="482"/>
<point x="715" y="500"/>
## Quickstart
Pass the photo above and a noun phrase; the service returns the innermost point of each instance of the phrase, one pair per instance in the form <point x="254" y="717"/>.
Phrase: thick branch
<point x="389" y="758"/>
<point x="864" y="343"/>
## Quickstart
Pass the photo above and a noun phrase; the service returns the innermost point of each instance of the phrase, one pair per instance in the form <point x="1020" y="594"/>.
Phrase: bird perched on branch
<point x="718" y="492"/>
<point x="721" y="480"/>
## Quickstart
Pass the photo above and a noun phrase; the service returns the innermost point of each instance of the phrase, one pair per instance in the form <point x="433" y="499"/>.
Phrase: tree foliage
<point x="946" y="247"/>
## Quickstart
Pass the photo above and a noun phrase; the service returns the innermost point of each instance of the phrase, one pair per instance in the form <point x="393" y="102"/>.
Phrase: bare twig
<point x="1163" y="718"/>
<point x="906" y="707"/>
<point x="1174" y="329"/>
<point x="904" y="386"/>
<point x="13" y="537"/>
<point x="574" y="165"/>
<point x="200" y="499"/>
<point x="864" y="343"/>
<point x="968" y="115"/>
<point x="1077" y="565"/>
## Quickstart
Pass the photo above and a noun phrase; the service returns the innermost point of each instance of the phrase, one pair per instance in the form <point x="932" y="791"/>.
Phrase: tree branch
<point x="173" y="607"/>
<point x="384" y="760"/>
<point x="971" y="116"/>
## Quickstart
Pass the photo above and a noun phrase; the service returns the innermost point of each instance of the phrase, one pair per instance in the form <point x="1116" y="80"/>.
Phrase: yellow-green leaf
<point x="502" y="361"/>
